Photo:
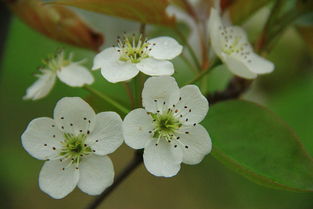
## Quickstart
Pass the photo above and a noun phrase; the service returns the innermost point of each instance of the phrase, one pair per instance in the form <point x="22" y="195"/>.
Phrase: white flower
<point x="123" y="62"/>
<point x="75" y="144"/>
<point x="230" y="43"/>
<point x="168" y="128"/>
<point x="70" y="73"/>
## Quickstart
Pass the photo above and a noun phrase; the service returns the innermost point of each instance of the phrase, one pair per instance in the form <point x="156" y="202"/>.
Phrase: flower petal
<point x="107" y="55"/>
<point x="165" y="48"/>
<point x="215" y="24"/>
<point x="259" y="65"/>
<point x="57" y="179"/>
<point x="74" y="115"/>
<point x="192" y="106"/>
<point x="75" y="75"/>
<point x="162" y="159"/>
<point x="42" y="86"/>
<point x="154" y="67"/>
<point x="41" y="139"/>
<point x="196" y="144"/>
<point x="107" y="135"/>
<point x="112" y="68"/>
<point x="136" y="127"/>
<point x="238" y="67"/>
<point x="96" y="174"/>
<point x="119" y="71"/>
<point x="160" y="93"/>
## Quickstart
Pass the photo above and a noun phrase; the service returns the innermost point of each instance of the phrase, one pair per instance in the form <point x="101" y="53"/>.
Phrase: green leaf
<point x="145" y="11"/>
<point x="259" y="145"/>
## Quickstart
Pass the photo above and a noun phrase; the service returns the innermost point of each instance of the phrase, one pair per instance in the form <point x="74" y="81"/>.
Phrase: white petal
<point x="106" y="56"/>
<point x="74" y="115"/>
<point x="112" y="68"/>
<point x="42" y="86"/>
<point x="192" y="106"/>
<point x="238" y="67"/>
<point x="159" y="93"/>
<point x="162" y="159"/>
<point x="119" y="71"/>
<point x="196" y="144"/>
<point x="259" y="65"/>
<point x="57" y="182"/>
<point x="165" y="48"/>
<point x="107" y="135"/>
<point x="75" y="75"/>
<point x="96" y="174"/>
<point x="215" y="23"/>
<point x="154" y="67"/>
<point x="41" y="139"/>
<point x="136" y="127"/>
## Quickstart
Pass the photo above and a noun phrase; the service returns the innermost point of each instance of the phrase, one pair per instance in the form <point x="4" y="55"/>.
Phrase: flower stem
<point x="137" y="160"/>
<point x="203" y="73"/>
<point x="191" y="52"/>
<point x="107" y="99"/>
<point x="128" y="89"/>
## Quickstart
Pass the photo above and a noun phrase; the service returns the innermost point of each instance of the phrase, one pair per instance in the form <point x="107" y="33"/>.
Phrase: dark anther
<point x="62" y="118"/>
<point x="186" y="132"/>
<point x="45" y="144"/>
<point x="186" y="147"/>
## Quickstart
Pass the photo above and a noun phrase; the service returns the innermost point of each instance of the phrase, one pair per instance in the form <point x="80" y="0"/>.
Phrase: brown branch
<point x="137" y="160"/>
<point x="236" y="87"/>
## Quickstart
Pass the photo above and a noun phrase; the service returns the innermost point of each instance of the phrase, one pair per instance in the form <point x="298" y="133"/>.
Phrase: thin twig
<point x="128" y="89"/>
<point x="107" y="99"/>
<point x="190" y="50"/>
<point x="137" y="160"/>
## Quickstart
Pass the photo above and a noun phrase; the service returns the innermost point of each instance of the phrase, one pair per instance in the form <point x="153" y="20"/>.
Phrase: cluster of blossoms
<point x="76" y="142"/>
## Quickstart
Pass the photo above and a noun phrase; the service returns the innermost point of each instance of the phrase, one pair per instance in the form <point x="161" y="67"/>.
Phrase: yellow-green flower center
<point x="165" y="125"/>
<point x="74" y="147"/>
<point x="133" y="49"/>
<point x="56" y="61"/>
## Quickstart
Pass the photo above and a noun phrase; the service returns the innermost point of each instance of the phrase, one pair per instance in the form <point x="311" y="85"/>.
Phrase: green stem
<point x="106" y="98"/>
<point x="190" y="50"/>
<point x="203" y="73"/>
<point x="260" y="44"/>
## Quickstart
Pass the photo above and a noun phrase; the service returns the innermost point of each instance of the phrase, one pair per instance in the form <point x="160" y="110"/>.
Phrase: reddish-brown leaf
<point x="145" y="11"/>
<point x="57" y="22"/>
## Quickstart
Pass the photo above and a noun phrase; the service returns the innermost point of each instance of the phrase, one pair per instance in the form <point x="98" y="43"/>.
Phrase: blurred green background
<point x="209" y="185"/>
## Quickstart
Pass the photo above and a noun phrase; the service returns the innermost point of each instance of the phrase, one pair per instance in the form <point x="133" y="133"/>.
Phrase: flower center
<point x="74" y="147"/>
<point x="234" y="43"/>
<point x="133" y="49"/>
<point x="56" y="61"/>
<point x="165" y="125"/>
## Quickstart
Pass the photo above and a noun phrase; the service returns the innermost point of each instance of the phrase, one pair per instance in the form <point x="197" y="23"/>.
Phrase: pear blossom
<point x="133" y="55"/>
<point x="231" y="45"/>
<point x="58" y="66"/>
<point x="168" y="128"/>
<point x="75" y="144"/>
